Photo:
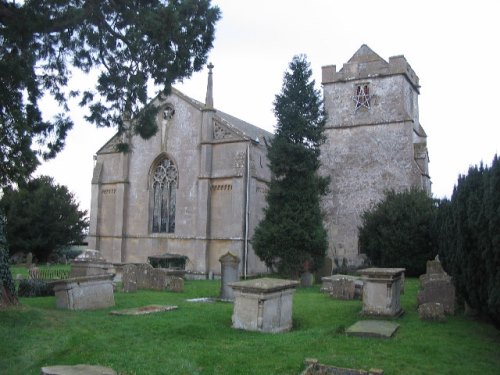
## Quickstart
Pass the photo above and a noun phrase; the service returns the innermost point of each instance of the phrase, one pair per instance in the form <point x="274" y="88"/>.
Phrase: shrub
<point x="34" y="288"/>
<point x="398" y="231"/>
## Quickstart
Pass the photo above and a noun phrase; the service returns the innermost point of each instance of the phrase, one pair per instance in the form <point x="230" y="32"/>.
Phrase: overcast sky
<point x="453" y="46"/>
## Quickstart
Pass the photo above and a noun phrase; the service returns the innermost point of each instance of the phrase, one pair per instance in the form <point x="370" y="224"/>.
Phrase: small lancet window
<point x="164" y="186"/>
<point x="362" y="97"/>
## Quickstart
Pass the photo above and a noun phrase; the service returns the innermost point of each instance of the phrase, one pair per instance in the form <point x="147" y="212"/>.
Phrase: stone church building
<point x="197" y="188"/>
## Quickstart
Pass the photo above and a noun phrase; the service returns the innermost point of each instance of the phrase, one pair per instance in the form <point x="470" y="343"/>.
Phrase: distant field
<point x="198" y="338"/>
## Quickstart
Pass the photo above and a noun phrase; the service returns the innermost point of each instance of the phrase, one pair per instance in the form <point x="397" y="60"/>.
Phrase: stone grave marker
<point x="437" y="286"/>
<point x="143" y="279"/>
<point x="129" y="278"/>
<point x="431" y="311"/>
<point x="229" y="265"/>
<point x="343" y="288"/>
<point x="144" y="276"/>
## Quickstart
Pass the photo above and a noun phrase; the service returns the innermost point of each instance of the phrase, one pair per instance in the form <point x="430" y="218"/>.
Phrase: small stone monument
<point x="263" y="305"/>
<point x="229" y="265"/>
<point x="381" y="291"/>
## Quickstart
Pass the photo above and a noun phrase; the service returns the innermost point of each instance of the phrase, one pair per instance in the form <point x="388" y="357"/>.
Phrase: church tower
<point x="374" y="142"/>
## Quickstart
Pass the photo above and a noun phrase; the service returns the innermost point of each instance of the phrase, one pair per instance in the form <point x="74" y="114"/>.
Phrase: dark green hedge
<point x="469" y="238"/>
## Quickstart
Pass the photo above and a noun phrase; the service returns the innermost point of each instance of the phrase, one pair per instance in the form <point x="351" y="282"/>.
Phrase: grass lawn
<point x="198" y="338"/>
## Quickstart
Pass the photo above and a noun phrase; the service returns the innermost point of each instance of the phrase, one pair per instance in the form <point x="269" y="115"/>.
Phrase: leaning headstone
<point x="78" y="370"/>
<point x="229" y="266"/>
<point x="129" y="278"/>
<point x="431" y="311"/>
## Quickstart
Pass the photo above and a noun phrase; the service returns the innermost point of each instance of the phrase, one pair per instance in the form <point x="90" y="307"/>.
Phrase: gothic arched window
<point x="164" y="185"/>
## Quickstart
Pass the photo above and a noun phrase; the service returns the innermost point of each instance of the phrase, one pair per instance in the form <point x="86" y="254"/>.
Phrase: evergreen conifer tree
<point x="291" y="238"/>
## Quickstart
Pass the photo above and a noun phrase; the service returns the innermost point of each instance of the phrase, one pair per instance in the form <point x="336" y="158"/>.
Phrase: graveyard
<point x="197" y="336"/>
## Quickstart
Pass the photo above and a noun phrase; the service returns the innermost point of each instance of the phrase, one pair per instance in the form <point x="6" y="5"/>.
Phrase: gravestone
<point x="431" y="311"/>
<point x="129" y="278"/>
<point x="437" y="286"/>
<point x="343" y="288"/>
<point x="381" y="291"/>
<point x="175" y="284"/>
<point x="263" y="305"/>
<point x="327" y="285"/>
<point x="143" y="272"/>
<point x="229" y="265"/>
<point x="84" y="293"/>
<point x="144" y="276"/>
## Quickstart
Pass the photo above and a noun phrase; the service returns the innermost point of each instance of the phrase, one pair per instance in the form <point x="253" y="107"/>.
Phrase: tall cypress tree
<point x="291" y="238"/>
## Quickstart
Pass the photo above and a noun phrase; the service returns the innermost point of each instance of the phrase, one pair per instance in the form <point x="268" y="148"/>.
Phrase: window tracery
<point x="164" y="186"/>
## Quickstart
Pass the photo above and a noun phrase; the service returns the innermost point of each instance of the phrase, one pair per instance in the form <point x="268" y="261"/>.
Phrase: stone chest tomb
<point x="382" y="291"/>
<point x="263" y="305"/>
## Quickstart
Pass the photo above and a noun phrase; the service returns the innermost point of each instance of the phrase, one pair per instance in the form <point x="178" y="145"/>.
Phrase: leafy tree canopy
<point x="42" y="218"/>
<point x="132" y="43"/>
<point x="291" y="237"/>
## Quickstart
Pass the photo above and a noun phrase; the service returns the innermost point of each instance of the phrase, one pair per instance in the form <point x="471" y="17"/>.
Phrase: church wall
<point x="363" y="163"/>
<point x="180" y="144"/>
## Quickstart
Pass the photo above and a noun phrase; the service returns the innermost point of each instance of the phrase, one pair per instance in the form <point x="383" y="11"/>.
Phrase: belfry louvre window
<point x="362" y="97"/>
<point x="164" y="186"/>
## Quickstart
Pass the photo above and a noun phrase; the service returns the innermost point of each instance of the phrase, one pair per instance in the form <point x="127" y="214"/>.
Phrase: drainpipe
<point x="247" y="214"/>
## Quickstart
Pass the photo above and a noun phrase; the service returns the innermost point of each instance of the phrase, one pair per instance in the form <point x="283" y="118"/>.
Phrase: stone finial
<point x="209" y="99"/>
